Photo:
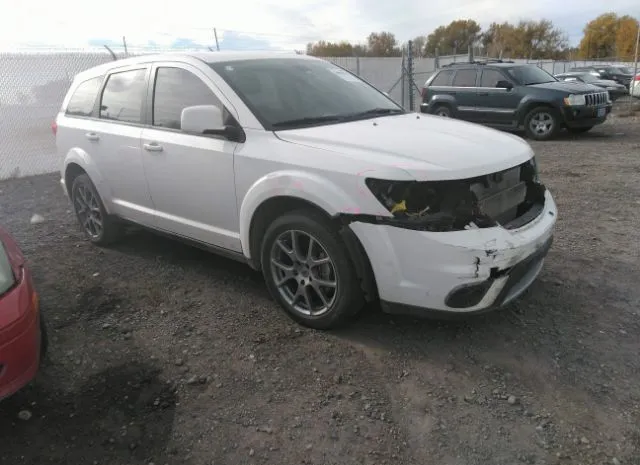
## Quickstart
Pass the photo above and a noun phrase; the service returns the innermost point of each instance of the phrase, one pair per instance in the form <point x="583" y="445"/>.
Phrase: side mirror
<point x="504" y="85"/>
<point x="201" y="118"/>
<point x="209" y="120"/>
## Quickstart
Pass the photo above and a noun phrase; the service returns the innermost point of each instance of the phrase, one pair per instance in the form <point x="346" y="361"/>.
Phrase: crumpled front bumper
<point x="460" y="271"/>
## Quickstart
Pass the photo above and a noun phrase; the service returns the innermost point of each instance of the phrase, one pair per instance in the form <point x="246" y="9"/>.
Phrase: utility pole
<point x="124" y="42"/>
<point x="215" y="34"/>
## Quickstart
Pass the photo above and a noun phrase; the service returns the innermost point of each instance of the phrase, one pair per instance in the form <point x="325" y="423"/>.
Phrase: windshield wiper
<point x="307" y="120"/>
<point x="310" y="120"/>
<point x="541" y="82"/>
<point x="376" y="111"/>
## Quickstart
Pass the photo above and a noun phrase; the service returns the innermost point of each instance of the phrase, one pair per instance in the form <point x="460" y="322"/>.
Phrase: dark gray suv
<point x="511" y="96"/>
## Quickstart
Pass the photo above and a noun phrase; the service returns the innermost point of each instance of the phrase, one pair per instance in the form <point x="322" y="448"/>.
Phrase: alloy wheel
<point x="304" y="273"/>
<point x="541" y="123"/>
<point x="88" y="211"/>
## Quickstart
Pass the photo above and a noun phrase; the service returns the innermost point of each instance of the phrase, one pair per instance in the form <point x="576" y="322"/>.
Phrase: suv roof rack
<point x="477" y="62"/>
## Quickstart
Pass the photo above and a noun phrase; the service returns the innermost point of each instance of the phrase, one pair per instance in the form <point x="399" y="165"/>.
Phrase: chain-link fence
<point x="33" y="85"/>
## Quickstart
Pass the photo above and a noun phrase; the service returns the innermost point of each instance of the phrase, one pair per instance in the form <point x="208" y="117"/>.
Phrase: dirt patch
<point x="180" y="356"/>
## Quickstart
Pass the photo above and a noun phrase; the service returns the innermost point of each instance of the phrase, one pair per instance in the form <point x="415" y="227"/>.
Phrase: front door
<point x="496" y="104"/>
<point x="190" y="176"/>
<point x="464" y="85"/>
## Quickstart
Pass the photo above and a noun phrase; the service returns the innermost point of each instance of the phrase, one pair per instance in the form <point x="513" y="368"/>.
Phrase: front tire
<point x="542" y="123"/>
<point x="307" y="270"/>
<point x="99" y="227"/>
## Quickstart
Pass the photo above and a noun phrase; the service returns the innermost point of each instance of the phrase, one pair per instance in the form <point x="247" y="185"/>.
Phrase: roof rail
<point x="477" y="62"/>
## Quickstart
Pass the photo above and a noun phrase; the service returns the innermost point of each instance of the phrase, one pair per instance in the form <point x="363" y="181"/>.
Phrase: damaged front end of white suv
<point x="467" y="245"/>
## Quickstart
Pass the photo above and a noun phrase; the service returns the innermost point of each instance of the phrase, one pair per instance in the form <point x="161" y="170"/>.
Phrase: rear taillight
<point x="54" y="127"/>
<point x="637" y="78"/>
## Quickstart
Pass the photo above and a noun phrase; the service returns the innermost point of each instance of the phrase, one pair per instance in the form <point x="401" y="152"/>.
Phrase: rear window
<point x="83" y="99"/>
<point x="123" y="95"/>
<point x="443" y="79"/>
<point x="465" y="78"/>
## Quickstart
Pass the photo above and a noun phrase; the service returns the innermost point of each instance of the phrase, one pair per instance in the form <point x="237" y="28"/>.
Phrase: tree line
<point x="607" y="36"/>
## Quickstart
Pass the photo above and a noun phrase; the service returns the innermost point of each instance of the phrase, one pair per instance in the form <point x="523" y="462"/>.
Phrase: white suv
<point x="304" y="171"/>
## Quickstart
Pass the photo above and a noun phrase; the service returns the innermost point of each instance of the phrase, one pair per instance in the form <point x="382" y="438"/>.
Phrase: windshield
<point x="531" y="74"/>
<point x="586" y="77"/>
<point x="624" y="69"/>
<point x="284" y="93"/>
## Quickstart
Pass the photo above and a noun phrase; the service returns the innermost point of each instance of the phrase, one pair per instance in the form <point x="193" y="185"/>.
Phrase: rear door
<point x="464" y="87"/>
<point x="496" y="104"/>
<point x="115" y="137"/>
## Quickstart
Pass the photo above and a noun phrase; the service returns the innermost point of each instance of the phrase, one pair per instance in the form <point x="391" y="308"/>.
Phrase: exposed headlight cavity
<point x="510" y="197"/>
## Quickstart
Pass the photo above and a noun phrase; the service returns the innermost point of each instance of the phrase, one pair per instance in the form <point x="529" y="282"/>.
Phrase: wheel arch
<point x="79" y="162"/>
<point x="527" y="105"/>
<point x="279" y="193"/>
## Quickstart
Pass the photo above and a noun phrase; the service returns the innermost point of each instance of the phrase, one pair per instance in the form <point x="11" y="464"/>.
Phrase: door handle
<point x="92" y="136"/>
<point x="153" y="147"/>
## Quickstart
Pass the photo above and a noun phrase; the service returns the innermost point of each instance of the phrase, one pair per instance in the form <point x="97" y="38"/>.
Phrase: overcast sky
<point x="263" y="24"/>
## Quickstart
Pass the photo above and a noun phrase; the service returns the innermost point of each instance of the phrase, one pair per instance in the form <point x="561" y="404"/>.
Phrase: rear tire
<point x="99" y="227"/>
<point x="443" y="111"/>
<point x="308" y="272"/>
<point x="581" y="130"/>
<point x="542" y="123"/>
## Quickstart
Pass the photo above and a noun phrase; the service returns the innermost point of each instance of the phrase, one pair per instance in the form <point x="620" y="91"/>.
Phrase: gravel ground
<point x="164" y="354"/>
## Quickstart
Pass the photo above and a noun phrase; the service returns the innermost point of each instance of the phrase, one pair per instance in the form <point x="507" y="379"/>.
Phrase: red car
<point x="22" y="339"/>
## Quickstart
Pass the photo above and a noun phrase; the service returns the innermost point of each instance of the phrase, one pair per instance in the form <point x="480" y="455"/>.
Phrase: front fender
<point x="529" y="102"/>
<point x="305" y="186"/>
<point x="81" y="158"/>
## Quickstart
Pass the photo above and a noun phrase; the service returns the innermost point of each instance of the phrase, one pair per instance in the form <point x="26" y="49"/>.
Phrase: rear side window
<point x="83" y="99"/>
<point x="443" y="79"/>
<point x="490" y="78"/>
<point x="465" y="78"/>
<point x="123" y="95"/>
<point x="176" y="89"/>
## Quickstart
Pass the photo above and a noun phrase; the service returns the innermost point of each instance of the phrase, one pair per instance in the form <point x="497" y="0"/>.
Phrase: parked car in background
<point x="304" y="171"/>
<point x="615" y="90"/>
<point x="511" y="96"/>
<point x="619" y="74"/>
<point x="22" y="334"/>
<point x="635" y="86"/>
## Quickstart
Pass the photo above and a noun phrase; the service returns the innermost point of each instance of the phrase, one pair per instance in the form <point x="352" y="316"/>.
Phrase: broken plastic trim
<point x="510" y="198"/>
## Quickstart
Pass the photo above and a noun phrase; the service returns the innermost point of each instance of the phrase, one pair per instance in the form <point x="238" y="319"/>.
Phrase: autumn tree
<point x="454" y="38"/>
<point x="418" y="45"/>
<point x="626" y="37"/>
<point x="330" y="49"/>
<point x="527" y="39"/>
<point x="382" y="44"/>
<point x="599" y="40"/>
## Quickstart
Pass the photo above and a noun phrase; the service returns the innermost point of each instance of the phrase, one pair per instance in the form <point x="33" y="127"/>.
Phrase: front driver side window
<point x="176" y="89"/>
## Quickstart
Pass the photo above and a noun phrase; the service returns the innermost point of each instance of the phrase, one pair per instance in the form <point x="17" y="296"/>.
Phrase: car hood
<point x="425" y="146"/>
<point x="570" y="87"/>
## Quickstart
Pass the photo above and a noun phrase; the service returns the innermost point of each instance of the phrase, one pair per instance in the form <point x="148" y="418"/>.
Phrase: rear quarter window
<point x="83" y="99"/>
<point x="443" y="78"/>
